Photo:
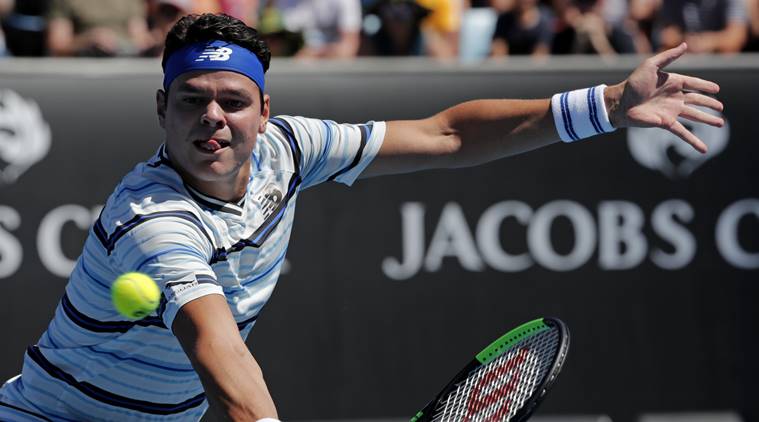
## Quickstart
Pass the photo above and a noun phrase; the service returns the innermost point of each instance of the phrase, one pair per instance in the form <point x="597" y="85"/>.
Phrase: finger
<point x="697" y="84"/>
<point x="665" y="58"/>
<point x="696" y="115"/>
<point x="693" y="98"/>
<point x="678" y="129"/>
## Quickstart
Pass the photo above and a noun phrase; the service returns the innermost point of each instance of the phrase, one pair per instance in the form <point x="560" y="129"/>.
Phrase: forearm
<point x="231" y="378"/>
<point x="753" y="14"/>
<point x="729" y="40"/>
<point x="139" y="34"/>
<point x="345" y="47"/>
<point x="67" y="44"/>
<point x="486" y="130"/>
<point x="481" y="131"/>
<point x="60" y="37"/>
<point x="233" y="381"/>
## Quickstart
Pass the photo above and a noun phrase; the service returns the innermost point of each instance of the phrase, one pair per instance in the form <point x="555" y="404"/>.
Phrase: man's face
<point x="211" y="121"/>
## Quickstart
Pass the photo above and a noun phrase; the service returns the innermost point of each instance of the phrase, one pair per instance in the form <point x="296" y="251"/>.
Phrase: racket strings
<point x="498" y="390"/>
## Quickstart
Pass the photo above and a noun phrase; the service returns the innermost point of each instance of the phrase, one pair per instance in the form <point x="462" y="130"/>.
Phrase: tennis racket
<point x="507" y="380"/>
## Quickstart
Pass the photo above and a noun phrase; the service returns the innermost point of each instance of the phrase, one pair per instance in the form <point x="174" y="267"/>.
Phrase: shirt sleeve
<point x="350" y="16"/>
<point x="176" y="253"/>
<point x="736" y="11"/>
<point x="332" y="151"/>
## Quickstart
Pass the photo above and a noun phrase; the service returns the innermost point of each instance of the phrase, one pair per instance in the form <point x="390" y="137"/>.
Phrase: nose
<point x="213" y="116"/>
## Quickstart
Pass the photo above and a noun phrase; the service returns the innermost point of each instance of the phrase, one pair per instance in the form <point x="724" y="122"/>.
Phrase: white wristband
<point x="581" y="113"/>
<point x="268" y="420"/>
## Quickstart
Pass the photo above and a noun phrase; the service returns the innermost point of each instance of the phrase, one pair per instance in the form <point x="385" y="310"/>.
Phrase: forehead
<point x="216" y="81"/>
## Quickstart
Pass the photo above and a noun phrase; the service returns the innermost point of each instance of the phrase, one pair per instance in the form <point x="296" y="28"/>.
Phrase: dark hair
<point x="207" y="27"/>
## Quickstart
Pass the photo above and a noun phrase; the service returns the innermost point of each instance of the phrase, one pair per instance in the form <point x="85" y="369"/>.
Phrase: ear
<point x="160" y="100"/>
<point x="264" y="114"/>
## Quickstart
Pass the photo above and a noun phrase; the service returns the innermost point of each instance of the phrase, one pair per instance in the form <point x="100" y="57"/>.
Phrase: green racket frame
<point x="496" y="349"/>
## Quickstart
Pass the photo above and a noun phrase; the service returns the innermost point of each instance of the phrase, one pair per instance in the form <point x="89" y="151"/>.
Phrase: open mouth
<point x="211" y="145"/>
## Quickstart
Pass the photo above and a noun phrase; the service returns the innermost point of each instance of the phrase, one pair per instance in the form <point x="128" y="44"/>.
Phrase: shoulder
<point x="288" y="136"/>
<point x="150" y="191"/>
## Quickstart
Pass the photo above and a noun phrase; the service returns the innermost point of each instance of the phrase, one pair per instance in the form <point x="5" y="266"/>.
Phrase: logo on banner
<point x="24" y="136"/>
<point x="215" y="54"/>
<point x="659" y="149"/>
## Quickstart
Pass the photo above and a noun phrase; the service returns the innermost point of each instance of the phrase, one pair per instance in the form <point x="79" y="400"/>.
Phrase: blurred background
<point x="648" y="250"/>
<point x="467" y="29"/>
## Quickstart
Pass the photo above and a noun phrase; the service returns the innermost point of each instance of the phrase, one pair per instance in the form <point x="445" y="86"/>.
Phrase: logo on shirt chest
<point x="269" y="199"/>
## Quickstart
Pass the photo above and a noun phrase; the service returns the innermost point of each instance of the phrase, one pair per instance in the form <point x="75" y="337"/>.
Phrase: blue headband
<point x="214" y="55"/>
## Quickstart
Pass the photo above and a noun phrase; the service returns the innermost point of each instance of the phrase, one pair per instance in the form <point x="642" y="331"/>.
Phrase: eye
<point x="192" y="100"/>
<point x="236" y="104"/>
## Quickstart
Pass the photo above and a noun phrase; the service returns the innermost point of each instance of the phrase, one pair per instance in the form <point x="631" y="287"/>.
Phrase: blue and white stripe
<point x="91" y="363"/>
<point x="580" y="114"/>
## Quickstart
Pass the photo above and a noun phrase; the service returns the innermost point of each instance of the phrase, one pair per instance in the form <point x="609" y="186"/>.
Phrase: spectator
<point x="25" y="27"/>
<point x="97" y="28"/>
<point x="526" y="29"/>
<point x="563" y="32"/>
<point x="580" y="28"/>
<point x="281" y="41"/>
<point x="623" y="32"/>
<point x="162" y="15"/>
<point x="479" y="3"/>
<point x="501" y="6"/>
<point x="245" y="10"/>
<point x="590" y="29"/>
<point x="593" y="27"/>
<point x="6" y="6"/>
<point x="717" y="26"/>
<point x="399" y="30"/>
<point x="643" y="13"/>
<point x="330" y="28"/>
<point x="206" y="6"/>
<point x="440" y="29"/>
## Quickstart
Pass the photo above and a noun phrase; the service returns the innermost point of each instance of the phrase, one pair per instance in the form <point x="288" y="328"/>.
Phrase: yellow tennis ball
<point x="135" y="295"/>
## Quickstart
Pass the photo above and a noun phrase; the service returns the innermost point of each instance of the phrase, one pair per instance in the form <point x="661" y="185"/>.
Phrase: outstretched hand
<point x="651" y="97"/>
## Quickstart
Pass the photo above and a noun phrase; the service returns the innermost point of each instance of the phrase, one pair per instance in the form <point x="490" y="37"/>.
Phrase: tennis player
<point x="209" y="218"/>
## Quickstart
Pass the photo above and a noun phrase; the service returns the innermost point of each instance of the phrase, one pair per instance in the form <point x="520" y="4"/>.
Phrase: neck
<point x="228" y="190"/>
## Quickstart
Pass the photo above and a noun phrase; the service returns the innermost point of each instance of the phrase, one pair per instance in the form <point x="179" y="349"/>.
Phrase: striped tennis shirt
<point x="91" y="364"/>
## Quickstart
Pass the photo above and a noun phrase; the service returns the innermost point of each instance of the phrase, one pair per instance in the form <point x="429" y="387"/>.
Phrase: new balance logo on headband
<point x="215" y="54"/>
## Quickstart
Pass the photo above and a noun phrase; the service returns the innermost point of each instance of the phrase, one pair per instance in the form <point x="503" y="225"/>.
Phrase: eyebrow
<point x="186" y="88"/>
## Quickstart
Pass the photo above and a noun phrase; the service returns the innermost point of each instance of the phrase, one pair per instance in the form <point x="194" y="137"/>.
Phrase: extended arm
<point x="731" y="39"/>
<point x="232" y="379"/>
<point x="62" y="41"/>
<point x="485" y="130"/>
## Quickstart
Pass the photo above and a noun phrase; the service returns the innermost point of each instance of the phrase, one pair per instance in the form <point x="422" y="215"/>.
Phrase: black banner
<point x="647" y="250"/>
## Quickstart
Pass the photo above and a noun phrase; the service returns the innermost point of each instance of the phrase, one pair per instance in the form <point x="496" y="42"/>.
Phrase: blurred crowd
<point x="467" y="29"/>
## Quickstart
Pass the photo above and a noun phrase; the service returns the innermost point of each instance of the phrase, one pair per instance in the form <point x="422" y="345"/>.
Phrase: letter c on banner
<point x="49" y="236"/>
<point x="727" y="234"/>
<point x="488" y="236"/>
